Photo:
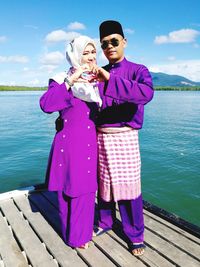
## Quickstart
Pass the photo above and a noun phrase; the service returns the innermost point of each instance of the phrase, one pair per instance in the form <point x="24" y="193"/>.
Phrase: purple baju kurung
<point x="72" y="166"/>
<point x="129" y="88"/>
<point x="72" y="162"/>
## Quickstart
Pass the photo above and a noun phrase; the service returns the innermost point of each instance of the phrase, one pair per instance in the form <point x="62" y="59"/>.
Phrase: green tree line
<point x="157" y="88"/>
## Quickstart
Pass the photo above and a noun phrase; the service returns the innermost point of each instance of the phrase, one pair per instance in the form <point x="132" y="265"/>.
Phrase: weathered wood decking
<point x="29" y="236"/>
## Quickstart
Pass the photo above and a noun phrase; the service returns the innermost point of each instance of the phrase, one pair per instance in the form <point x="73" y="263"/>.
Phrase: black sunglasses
<point x="114" y="42"/>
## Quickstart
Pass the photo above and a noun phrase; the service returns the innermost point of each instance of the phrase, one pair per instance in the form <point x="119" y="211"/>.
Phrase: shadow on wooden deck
<point x="30" y="236"/>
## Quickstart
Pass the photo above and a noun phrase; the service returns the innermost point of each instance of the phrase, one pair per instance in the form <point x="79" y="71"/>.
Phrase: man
<point x="125" y="89"/>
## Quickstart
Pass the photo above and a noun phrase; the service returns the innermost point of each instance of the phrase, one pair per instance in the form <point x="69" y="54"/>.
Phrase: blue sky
<point x="163" y="35"/>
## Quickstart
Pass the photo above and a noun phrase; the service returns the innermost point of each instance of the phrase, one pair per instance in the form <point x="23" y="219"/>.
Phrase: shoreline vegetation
<point x="21" y="88"/>
<point x="44" y="88"/>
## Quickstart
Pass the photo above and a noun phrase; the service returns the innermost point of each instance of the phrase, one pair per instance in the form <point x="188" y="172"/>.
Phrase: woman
<point x="72" y="163"/>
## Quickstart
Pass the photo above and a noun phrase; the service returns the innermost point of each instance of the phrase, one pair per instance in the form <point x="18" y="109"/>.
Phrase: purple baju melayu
<point x="129" y="88"/>
<point x="72" y="166"/>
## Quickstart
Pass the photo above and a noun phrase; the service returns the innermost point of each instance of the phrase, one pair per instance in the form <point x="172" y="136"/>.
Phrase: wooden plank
<point x="151" y="257"/>
<point x="174" y="237"/>
<point x="173" y="218"/>
<point x="34" y="249"/>
<point x="17" y="192"/>
<point x="64" y="255"/>
<point x="10" y="252"/>
<point x="166" y="248"/>
<point x="163" y="249"/>
<point x="119" y="255"/>
<point x="92" y="255"/>
<point x="169" y="251"/>
<point x="49" y="212"/>
<point x="172" y="226"/>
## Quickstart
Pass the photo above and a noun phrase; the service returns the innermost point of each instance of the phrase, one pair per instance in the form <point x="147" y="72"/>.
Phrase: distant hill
<point x="163" y="79"/>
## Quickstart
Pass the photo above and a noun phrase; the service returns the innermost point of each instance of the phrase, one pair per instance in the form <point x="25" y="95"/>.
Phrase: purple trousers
<point x="77" y="218"/>
<point x="131" y="212"/>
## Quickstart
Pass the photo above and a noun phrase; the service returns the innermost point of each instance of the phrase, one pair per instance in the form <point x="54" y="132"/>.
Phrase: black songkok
<point x="110" y="27"/>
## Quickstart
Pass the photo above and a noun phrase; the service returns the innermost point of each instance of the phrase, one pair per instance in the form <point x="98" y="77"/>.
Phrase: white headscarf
<point x="74" y="51"/>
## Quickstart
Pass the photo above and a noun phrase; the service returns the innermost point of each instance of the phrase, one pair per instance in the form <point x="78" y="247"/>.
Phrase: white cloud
<point x="14" y="59"/>
<point x="187" y="68"/>
<point x="98" y="44"/>
<point x="34" y="82"/>
<point x="48" y="68"/>
<point x="11" y="83"/>
<point x="171" y="58"/>
<point x="21" y="77"/>
<point x="71" y="35"/>
<point x="129" y="31"/>
<point x="56" y="36"/>
<point x="2" y="59"/>
<point x="53" y="58"/>
<point x="180" y="36"/>
<point x="76" y="26"/>
<point x="161" y="39"/>
<point x="3" y="39"/>
<point x="101" y="59"/>
<point x="60" y="35"/>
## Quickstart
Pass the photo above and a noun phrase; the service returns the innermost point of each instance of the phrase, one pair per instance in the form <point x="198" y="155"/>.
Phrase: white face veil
<point x="75" y="49"/>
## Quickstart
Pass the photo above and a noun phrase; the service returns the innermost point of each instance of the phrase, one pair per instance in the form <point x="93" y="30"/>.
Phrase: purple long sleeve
<point x="56" y="98"/>
<point x="124" y="95"/>
<point x="138" y="91"/>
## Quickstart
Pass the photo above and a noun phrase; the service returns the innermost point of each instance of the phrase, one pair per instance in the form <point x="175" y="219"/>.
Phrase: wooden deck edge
<point x="17" y="192"/>
<point x="23" y="191"/>
<point x="172" y="218"/>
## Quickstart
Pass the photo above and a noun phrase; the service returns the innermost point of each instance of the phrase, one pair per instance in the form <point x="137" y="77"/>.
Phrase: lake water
<point x="169" y="141"/>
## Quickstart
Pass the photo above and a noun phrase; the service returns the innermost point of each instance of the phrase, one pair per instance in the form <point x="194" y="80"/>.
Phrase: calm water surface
<point x="169" y="141"/>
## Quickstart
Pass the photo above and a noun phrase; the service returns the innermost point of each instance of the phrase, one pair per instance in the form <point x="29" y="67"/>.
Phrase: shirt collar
<point x="118" y="64"/>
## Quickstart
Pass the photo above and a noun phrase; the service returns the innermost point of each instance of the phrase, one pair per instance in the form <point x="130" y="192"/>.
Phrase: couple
<point x="101" y="110"/>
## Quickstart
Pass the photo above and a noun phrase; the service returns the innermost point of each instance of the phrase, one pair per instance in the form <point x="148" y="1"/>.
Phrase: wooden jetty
<point x="29" y="236"/>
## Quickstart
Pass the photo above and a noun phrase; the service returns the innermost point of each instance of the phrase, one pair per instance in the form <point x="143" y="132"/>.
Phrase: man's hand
<point x="101" y="74"/>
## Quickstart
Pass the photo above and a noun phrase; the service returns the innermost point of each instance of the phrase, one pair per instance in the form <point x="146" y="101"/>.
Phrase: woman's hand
<point x="76" y="76"/>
